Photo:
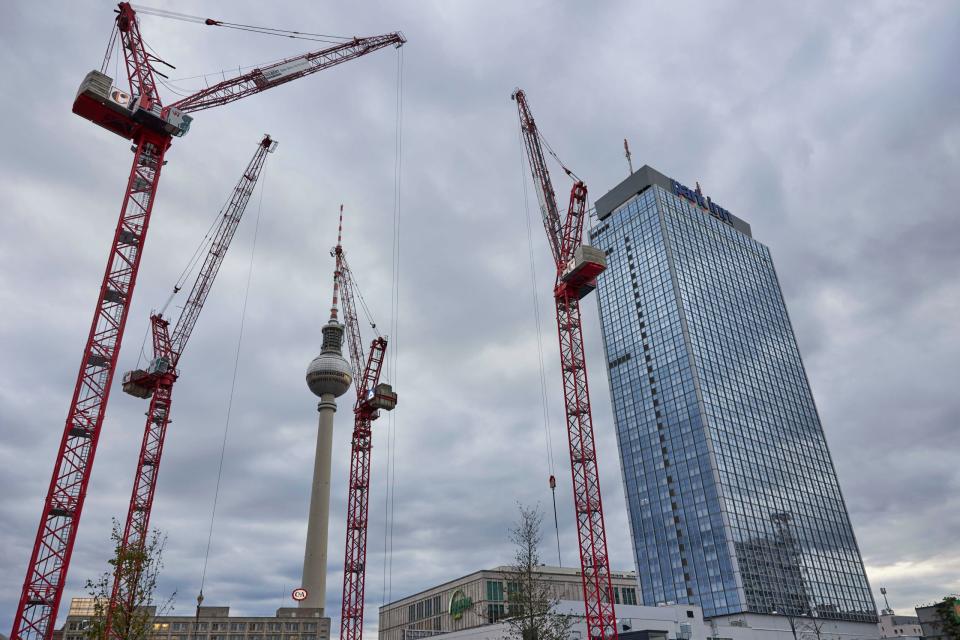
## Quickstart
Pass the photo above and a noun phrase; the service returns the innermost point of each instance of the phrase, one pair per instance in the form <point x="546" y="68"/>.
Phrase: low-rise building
<point x="930" y="621"/>
<point x="213" y="623"/>
<point x="473" y="608"/>
<point x="481" y="598"/>
<point x="894" y="626"/>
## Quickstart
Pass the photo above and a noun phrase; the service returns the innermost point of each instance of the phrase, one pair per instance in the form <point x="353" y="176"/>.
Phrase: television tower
<point x="328" y="377"/>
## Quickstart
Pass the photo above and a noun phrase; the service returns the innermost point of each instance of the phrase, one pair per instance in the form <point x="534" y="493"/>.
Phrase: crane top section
<point x="578" y="264"/>
<point x="169" y="345"/>
<point x="128" y="111"/>
<point x="372" y="395"/>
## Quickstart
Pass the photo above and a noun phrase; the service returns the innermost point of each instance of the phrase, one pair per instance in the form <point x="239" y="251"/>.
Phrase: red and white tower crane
<point x="372" y="397"/>
<point x="139" y="115"/>
<point x="156" y="383"/>
<point x="578" y="266"/>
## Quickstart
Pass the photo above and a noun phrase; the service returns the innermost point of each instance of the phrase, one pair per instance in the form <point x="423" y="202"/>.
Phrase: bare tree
<point x="530" y="600"/>
<point x="138" y="568"/>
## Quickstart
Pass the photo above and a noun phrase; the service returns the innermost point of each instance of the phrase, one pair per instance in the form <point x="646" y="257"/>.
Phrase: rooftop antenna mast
<point x="886" y="602"/>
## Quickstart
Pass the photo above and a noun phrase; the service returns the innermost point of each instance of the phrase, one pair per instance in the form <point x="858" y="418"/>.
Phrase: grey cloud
<point x="832" y="129"/>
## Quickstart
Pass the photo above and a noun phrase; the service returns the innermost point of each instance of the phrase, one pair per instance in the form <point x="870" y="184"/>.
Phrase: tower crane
<point x="139" y="115"/>
<point x="372" y="397"/>
<point x="578" y="266"/>
<point x="157" y="381"/>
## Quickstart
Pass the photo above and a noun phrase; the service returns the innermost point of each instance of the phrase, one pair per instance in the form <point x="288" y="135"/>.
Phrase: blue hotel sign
<point x="697" y="198"/>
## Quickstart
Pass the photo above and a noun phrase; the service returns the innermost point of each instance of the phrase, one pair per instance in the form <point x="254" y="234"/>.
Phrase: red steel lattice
<point x="150" y="126"/>
<point x="565" y="237"/>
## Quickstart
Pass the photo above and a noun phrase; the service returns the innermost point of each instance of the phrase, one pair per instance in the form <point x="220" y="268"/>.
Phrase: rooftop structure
<point x="212" y="623"/>
<point x="930" y="621"/>
<point x="481" y="597"/>
<point x="894" y="626"/>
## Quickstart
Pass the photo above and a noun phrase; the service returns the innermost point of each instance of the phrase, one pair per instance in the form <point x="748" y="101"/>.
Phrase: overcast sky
<point x="833" y="128"/>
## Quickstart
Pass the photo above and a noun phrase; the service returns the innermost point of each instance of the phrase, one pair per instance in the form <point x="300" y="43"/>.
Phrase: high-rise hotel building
<point x="733" y="498"/>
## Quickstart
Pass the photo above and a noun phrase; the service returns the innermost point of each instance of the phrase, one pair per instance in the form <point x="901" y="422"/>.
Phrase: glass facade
<point x="733" y="499"/>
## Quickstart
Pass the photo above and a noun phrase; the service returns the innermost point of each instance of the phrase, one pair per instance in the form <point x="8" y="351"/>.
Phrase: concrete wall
<point x="764" y="627"/>
<point x="892" y="626"/>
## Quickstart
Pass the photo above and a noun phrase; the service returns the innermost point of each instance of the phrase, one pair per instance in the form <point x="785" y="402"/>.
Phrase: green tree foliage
<point x="948" y="614"/>
<point x="530" y="600"/>
<point x="138" y="570"/>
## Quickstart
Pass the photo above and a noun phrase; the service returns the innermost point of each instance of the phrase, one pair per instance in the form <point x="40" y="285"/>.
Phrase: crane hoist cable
<point x="391" y="489"/>
<point x="233" y="386"/>
<point x="552" y="482"/>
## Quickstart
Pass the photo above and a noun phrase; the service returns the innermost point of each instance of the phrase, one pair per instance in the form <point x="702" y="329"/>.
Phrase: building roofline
<point x="495" y="570"/>
<point x="645" y="177"/>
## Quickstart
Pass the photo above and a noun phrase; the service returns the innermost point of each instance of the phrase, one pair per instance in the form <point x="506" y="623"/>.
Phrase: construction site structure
<point x="577" y="268"/>
<point x="156" y="383"/>
<point x="373" y="397"/>
<point x="138" y="115"/>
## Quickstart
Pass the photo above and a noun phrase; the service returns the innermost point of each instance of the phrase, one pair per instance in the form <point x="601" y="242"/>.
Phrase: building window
<point x="494" y="591"/>
<point x="238" y="626"/>
<point x="494" y="612"/>
<point x="256" y="626"/>
<point x="292" y="626"/>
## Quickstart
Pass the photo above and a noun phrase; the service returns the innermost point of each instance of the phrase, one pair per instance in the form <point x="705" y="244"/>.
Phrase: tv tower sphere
<point x="329" y="372"/>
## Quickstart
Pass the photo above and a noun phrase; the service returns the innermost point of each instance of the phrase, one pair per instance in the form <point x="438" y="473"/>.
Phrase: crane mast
<point x="138" y="115"/>
<point x="372" y="397"/>
<point x="157" y="383"/>
<point x="578" y="266"/>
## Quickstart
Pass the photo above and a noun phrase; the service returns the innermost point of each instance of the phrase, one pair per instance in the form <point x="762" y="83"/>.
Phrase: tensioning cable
<point x="391" y="491"/>
<point x="539" y="327"/>
<point x="233" y="385"/>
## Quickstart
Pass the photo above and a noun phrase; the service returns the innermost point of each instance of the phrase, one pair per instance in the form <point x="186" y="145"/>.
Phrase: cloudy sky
<point x="833" y="128"/>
